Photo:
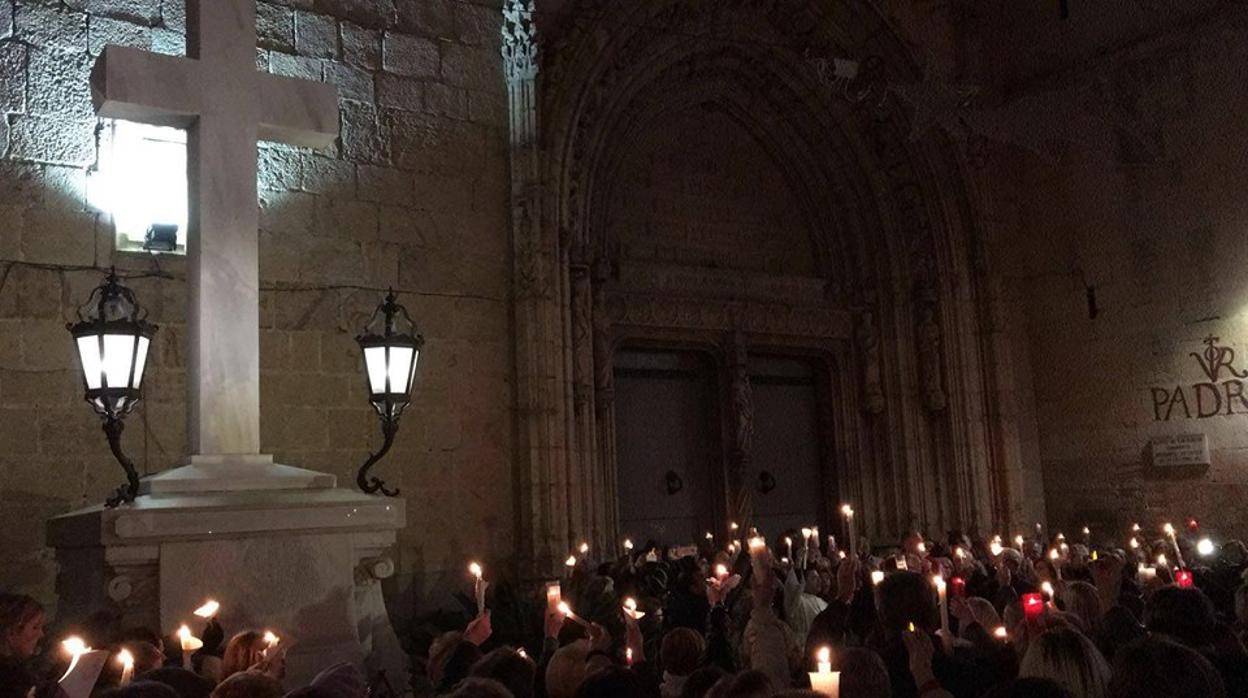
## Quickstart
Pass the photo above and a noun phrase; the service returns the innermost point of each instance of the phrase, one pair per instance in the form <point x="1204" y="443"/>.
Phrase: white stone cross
<point x="226" y="105"/>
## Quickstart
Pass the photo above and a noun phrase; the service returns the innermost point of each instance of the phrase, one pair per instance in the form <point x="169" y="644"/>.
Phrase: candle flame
<point x="630" y="604"/>
<point x="584" y="548"/>
<point x="1135" y="544"/>
<point x="571" y="561"/>
<point x="806" y="533"/>
<point x="1094" y="556"/>
<point x="721" y="571"/>
<point x="922" y="547"/>
<point x="208" y="610"/>
<point x="1087" y="531"/>
<point x="565" y="609"/>
<point x="75" y="646"/>
<point x="522" y="653"/>
<point x="710" y="536"/>
<point x="628" y="544"/>
<point x="1061" y="536"/>
<point x="734" y="526"/>
<point x="910" y="627"/>
<point x="959" y="553"/>
<point x="475" y="570"/>
<point x="1001" y="633"/>
<point x="1047" y="588"/>
<point x="1053" y="554"/>
<point x="995" y="548"/>
<point x="628" y="655"/>
<point x="125" y="659"/>
<point x="824" y="655"/>
<point x="1018" y="540"/>
<point x="847" y="510"/>
<point x="840" y="554"/>
<point x="877" y="576"/>
<point x="1135" y="528"/>
<point x="757" y="544"/>
<point x="1168" y="528"/>
<point x="788" y="542"/>
<point x="1161" y="559"/>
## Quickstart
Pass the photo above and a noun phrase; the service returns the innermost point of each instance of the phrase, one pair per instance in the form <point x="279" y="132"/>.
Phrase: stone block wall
<point x="1154" y="221"/>
<point x="414" y="195"/>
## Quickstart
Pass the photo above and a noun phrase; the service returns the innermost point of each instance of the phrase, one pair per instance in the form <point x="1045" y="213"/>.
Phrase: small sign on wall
<point x="1180" y="450"/>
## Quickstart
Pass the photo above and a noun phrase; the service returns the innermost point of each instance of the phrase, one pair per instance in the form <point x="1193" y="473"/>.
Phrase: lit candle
<point x="1183" y="579"/>
<point x="1161" y="560"/>
<point x="995" y="547"/>
<point x="824" y="681"/>
<point x="1018" y="542"/>
<point x="628" y="545"/>
<point x="1146" y="573"/>
<point x="734" y="527"/>
<point x="1134" y="544"/>
<point x="1174" y="540"/>
<point x="270" y="641"/>
<point x="1135" y="528"/>
<point x="478" y="585"/>
<point x="1056" y="557"/>
<point x="630" y="609"/>
<point x="126" y="660"/>
<point x="189" y="644"/>
<point x="520" y="651"/>
<point x="788" y="545"/>
<point x="721" y="572"/>
<point x="959" y="553"/>
<point x="877" y="576"/>
<point x="554" y="596"/>
<point x="922" y="548"/>
<point x="570" y="565"/>
<point x="1000" y="633"/>
<point x="208" y="610"/>
<point x="1205" y="547"/>
<point x="628" y="656"/>
<point x="1087" y="534"/>
<point x="566" y="610"/>
<point x="942" y="596"/>
<point x="1047" y="589"/>
<point x="848" y="512"/>
<point x="76" y="648"/>
<point x="584" y="548"/>
<point x="757" y="546"/>
<point x="1094" y="556"/>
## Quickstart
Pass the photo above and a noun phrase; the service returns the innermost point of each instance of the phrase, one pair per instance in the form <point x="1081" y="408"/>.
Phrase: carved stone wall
<point x="855" y="204"/>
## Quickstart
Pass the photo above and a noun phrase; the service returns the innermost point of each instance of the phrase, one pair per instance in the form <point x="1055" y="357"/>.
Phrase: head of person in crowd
<point x="1161" y="668"/>
<point x="1069" y="658"/>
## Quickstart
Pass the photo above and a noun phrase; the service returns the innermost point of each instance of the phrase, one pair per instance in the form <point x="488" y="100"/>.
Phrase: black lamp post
<point x="112" y="337"/>
<point x="391" y="347"/>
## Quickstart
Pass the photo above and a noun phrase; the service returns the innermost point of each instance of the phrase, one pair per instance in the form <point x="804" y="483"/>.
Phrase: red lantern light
<point x="1033" y="606"/>
<point x="1193" y="524"/>
<point x="1183" y="578"/>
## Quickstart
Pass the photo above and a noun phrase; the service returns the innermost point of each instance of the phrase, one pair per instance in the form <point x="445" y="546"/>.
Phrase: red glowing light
<point x="1183" y="578"/>
<point x="1033" y="605"/>
<point x="959" y="587"/>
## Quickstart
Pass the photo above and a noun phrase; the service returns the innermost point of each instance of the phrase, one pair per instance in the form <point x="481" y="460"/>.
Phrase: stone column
<point x="542" y="439"/>
<point x="741" y="412"/>
<point x="604" y="413"/>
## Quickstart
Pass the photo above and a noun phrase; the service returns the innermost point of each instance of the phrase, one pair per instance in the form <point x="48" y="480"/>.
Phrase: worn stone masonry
<point x="414" y="196"/>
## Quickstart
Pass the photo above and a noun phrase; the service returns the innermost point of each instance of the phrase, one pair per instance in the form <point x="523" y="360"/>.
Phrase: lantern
<point x="113" y="336"/>
<point x="391" y="347"/>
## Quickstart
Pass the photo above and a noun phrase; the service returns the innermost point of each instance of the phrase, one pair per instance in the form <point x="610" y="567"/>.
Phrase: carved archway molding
<point x="889" y="223"/>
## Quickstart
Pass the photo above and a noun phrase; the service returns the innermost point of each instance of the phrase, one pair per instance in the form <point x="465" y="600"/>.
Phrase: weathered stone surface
<point x="432" y="18"/>
<point x="52" y="139"/>
<point x="316" y="35"/>
<point x="353" y="83"/>
<point x="49" y="27"/>
<point x="361" y="47"/>
<point x="385" y="185"/>
<point x="58" y="85"/>
<point x="104" y="30"/>
<point x="296" y="66"/>
<point x="146" y="12"/>
<point x="375" y="14"/>
<point x="275" y="27"/>
<point x="412" y="56"/>
<point x="397" y="92"/>
<point x="12" y="77"/>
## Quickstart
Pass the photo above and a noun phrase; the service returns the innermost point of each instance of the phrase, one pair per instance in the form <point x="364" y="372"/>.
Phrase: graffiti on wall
<point x="1221" y="394"/>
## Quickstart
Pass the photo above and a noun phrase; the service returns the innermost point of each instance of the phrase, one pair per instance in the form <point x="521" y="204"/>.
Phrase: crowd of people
<point x="1038" y="617"/>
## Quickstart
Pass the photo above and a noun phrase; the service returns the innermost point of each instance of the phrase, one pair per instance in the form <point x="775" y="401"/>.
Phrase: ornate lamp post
<point x="391" y="347"/>
<point x="112" y="337"/>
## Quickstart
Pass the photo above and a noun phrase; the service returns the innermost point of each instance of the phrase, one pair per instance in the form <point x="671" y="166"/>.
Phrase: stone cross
<point x="226" y="105"/>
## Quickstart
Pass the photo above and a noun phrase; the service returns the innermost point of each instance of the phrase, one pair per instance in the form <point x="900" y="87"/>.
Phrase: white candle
<point x="825" y="681"/>
<point x="208" y="610"/>
<point x="189" y="644"/>
<point x="570" y="565"/>
<point x="1174" y="540"/>
<point x="76" y="648"/>
<point x="126" y="660"/>
<point x="942" y="596"/>
<point x="757" y="546"/>
<point x="553" y="596"/>
<point x="1018" y="543"/>
<point x="478" y="586"/>
<point x="848" y="511"/>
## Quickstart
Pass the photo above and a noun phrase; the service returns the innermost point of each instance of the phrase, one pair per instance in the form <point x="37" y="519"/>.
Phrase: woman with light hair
<point x="1072" y="660"/>
<point x="1081" y="599"/>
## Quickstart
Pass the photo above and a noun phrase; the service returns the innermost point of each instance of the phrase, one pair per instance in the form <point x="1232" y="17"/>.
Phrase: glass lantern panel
<point x="89" y="357"/>
<point x="375" y="362"/>
<point x="412" y="376"/>
<point x="140" y="362"/>
<point x="118" y="354"/>
<point x="400" y="368"/>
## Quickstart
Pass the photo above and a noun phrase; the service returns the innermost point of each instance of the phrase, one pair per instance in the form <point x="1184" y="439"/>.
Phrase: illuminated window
<point x="141" y="183"/>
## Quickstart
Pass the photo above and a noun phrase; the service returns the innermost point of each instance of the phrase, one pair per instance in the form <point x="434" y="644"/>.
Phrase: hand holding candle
<point x="823" y="680"/>
<point x="848" y="512"/>
<point x="478" y="585"/>
<point x="126" y="660"/>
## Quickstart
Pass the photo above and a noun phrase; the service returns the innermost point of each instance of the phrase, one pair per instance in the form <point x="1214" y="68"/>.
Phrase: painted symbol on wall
<point x="1209" y="398"/>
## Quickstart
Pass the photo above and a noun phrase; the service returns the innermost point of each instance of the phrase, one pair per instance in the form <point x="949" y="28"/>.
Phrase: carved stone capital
<point x="520" y="42"/>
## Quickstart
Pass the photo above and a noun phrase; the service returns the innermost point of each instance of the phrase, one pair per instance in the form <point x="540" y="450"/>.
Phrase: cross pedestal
<point x="278" y="546"/>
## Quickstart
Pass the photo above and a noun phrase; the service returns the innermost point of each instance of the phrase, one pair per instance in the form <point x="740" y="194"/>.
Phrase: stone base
<point x="305" y="563"/>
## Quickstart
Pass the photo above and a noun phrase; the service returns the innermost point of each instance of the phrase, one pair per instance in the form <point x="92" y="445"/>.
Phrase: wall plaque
<point x="1180" y="449"/>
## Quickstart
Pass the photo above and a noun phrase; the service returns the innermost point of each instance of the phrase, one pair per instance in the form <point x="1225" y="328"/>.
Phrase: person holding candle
<point x="21" y="629"/>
